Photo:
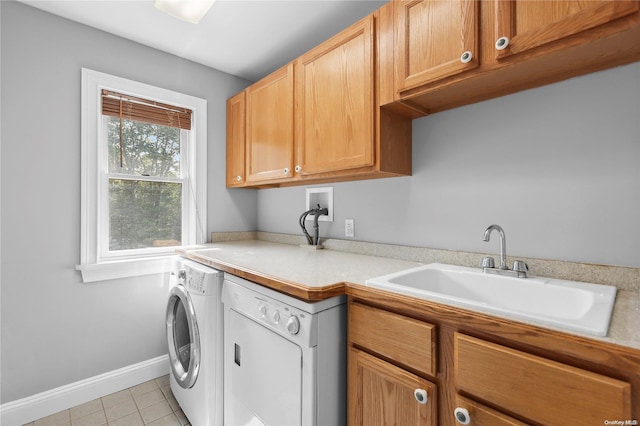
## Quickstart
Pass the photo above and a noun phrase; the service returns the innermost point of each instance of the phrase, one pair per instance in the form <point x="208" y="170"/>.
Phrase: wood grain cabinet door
<point x="523" y="25"/>
<point x="480" y="415"/>
<point x="236" y="140"/>
<point x="541" y="390"/>
<point x="407" y="341"/>
<point x="335" y="102"/>
<point x="270" y="127"/>
<point x="382" y="394"/>
<point x="434" y="39"/>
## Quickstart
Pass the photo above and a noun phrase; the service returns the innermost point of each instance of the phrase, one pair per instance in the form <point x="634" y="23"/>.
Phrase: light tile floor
<point x="151" y="403"/>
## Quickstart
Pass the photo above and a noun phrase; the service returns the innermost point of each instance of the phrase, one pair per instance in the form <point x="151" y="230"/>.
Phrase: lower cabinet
<point x="419" y="369"/>
<point x="470" y="412"/>
<point x="535" y="388"/>
<point x="385" y="395"/>
<point x="389" y="354"/>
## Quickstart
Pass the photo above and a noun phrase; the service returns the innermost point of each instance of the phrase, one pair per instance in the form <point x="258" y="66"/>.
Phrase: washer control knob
<point x="182" y="274"/>
<point x="262" y="309"/>
<point x="275" y="317"/>
<point x="293" y="325"/>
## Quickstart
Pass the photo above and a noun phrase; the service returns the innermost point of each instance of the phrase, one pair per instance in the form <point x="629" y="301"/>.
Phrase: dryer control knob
<point x="262" y="309"/>
<point x="275" y="317"/>
<point x="293" y="324"/>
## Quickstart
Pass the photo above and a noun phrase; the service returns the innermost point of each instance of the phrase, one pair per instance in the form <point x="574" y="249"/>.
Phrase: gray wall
<point x="558" y="167"/>
<point x="56" y="330"/>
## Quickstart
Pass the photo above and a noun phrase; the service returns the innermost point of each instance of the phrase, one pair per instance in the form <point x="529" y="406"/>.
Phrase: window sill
<point x="125" y="268"/>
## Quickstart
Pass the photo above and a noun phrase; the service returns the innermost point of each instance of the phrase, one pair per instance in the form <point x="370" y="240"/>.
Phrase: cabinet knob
<point x="285" y="171"/>
<point x="466" y="57"/>
<point x="502" y="43"/>
<point x="421" y="396"/>
<point x="238" y="178"/>
<point x="298" y="169"/>
<point x="462" y="415"/>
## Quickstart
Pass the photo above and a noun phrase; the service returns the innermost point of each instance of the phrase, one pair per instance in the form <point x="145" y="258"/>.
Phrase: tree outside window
<point x="145" y="185"/>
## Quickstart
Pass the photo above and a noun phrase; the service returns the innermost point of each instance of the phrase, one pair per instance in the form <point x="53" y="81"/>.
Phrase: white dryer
<point x="194" y="333"/>
<point x="285" y="359"/>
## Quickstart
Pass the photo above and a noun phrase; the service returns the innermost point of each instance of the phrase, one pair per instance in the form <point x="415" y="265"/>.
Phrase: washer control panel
<point x="195" y="280"/>
<point x="195" y="277"/>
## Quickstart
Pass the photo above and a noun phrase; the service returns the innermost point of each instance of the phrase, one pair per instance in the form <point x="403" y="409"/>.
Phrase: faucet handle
<point x="488" y="262"/>
<point x="520" y="266"/>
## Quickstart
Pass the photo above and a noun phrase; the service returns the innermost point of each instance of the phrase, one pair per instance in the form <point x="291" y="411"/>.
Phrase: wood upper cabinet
<point x="521" y="44"/>
<point x="434" y="39"/>
<point x="270" y="128"/>
<point x="236" y="125"/>
<point x="524" y="25"/>
<point x="382" y="394"/>
<point x="335" y="102"/>
<point x="332" y="94"/>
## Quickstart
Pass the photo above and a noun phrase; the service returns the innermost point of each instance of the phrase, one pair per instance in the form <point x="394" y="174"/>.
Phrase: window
<point x="143" y="175"/>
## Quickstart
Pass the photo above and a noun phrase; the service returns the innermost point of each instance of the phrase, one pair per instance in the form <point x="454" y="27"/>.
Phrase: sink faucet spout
<point x="503" y="243"/>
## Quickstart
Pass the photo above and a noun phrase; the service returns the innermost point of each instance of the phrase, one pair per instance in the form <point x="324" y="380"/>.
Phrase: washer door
<point x="183" y="337"/>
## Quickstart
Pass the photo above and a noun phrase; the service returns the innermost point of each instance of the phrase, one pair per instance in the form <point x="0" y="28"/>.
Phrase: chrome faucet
<point x="503" y="243"/>
<point x="520" y="268"/>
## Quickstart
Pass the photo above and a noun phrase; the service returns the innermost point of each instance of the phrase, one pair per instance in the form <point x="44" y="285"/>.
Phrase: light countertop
<point x="319" y="274"/>
<point x="301" y="272"/>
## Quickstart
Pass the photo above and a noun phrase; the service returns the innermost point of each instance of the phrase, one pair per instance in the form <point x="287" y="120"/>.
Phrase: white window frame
<point x="95" y="263"/>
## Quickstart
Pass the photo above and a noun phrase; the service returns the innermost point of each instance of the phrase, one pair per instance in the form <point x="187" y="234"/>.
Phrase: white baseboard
<point x="34" y="407"/>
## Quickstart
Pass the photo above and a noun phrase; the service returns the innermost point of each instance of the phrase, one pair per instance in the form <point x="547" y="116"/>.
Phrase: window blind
<point x="132" y="108"/>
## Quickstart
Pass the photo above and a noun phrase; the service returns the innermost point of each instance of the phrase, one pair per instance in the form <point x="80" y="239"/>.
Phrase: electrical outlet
<point x="349" y="228"/>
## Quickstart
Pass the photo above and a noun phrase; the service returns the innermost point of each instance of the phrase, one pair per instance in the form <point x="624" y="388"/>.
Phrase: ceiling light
<point x="187" y="10"/>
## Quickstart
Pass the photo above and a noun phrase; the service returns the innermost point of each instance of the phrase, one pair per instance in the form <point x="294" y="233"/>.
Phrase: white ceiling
<point x="248" y="39"/>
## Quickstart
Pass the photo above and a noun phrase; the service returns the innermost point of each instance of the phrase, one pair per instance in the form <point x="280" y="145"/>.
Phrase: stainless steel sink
<point x="578" y="306"/>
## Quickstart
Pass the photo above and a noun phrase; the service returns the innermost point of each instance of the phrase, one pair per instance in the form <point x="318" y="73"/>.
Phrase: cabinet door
<point x="236" y="140"/>
<point x="524" y="25"/>
<point x="382" y="394"/>
<point x="543" y="391"/>
<point x="480" y="415"/>
<point x="434" y="39"/>
<point x="335" y="102"/>
<point x="407" y="341"/>
<point x="270" y="127"/>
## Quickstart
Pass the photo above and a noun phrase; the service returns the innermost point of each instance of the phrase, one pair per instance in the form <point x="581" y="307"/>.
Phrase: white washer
<point x="284" y="360"/>
<point x="194" y="333"/>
